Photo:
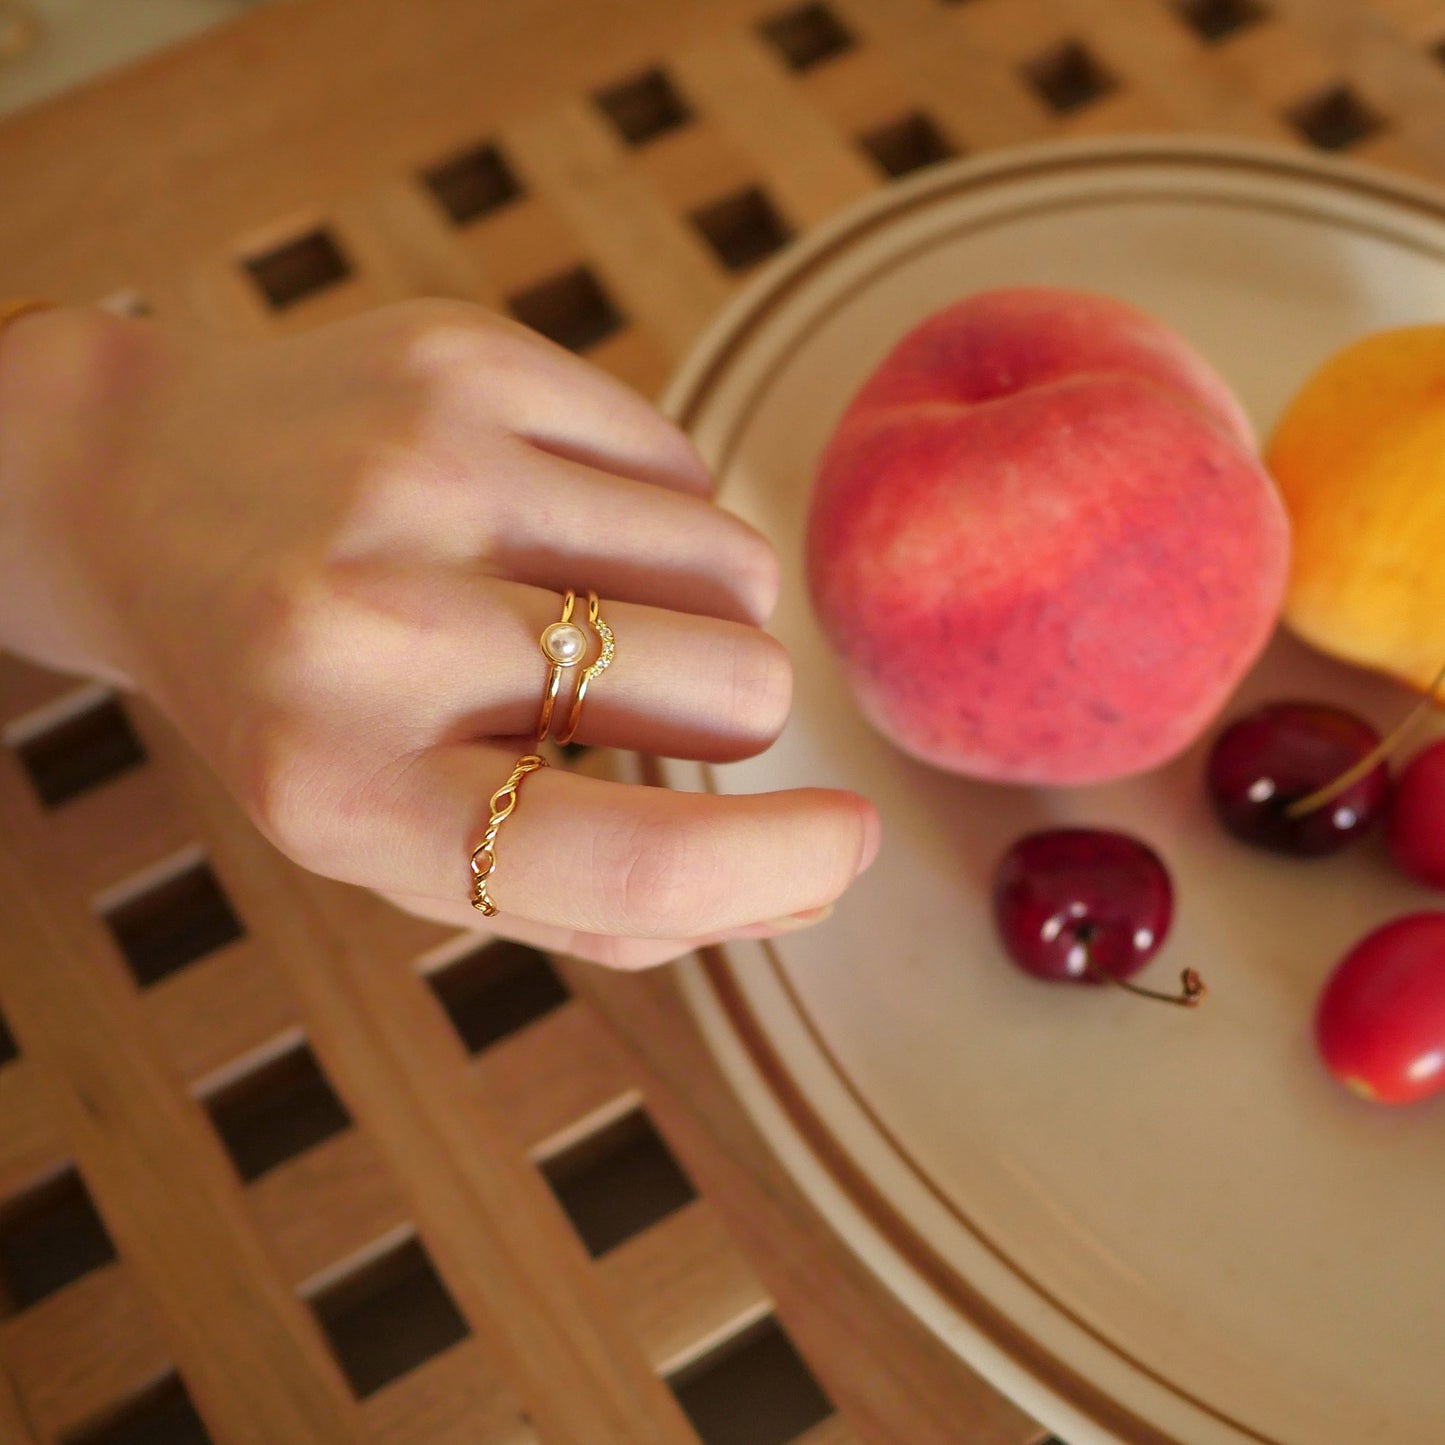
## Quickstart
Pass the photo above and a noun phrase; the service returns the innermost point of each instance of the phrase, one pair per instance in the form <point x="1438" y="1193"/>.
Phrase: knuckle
<point x="433" y="342"/>
<point x="281" y="757"/>
<point x="293" y="624"/>
<point x="669" y="878"/>
<point x="283" y="791"/>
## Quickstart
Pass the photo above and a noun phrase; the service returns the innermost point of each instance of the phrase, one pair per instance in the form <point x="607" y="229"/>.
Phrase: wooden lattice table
<point x="273" y="1157"/>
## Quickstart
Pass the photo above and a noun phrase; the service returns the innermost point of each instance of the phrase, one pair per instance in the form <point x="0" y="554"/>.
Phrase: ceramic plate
<point x="1144" y="1224"/>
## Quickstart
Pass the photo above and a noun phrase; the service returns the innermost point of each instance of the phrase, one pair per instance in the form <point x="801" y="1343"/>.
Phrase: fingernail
<point x="791" y="923"/>
<point x="805" y="919"/>
<point x="872" y="837"/>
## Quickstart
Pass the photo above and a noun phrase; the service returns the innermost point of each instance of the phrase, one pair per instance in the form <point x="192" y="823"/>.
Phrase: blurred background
<point x="609" y="172"/>
<point x="47" y="46"/>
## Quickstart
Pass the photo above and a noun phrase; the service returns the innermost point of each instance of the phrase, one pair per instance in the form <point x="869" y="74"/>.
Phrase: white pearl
<point x="564" y="643"/>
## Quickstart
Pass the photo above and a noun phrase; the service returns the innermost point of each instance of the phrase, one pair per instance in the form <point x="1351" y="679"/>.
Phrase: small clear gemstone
<point x="564" y="643"/>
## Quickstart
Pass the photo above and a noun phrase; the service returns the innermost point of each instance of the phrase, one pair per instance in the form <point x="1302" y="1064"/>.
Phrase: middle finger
<point x="679" y="685"/>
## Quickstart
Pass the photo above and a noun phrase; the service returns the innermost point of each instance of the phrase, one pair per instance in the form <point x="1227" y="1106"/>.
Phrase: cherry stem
<point x="1192" y="994"/>
<point x="1301" y="807"/>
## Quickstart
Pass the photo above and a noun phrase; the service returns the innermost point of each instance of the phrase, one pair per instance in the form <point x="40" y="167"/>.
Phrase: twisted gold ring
<point x="484" y="855"/>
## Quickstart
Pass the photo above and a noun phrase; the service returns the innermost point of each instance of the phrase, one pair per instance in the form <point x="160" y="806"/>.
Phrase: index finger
<point x="618" y="858"/>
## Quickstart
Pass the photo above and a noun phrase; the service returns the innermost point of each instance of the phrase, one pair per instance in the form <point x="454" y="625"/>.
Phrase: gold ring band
<point x="564" y="645"/>
<point x="594" y="671"/>
<point x="484" y="855"/>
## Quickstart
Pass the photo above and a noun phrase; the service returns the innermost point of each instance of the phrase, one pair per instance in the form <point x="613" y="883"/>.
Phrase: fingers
<point x="678" y="685"/>
<point x="533" y="389"/>
<point x="467" y="649"/>
<point x="561" y="524"/>
<point x="510" y="456"/>
<point x="574" y="410"/>
<point x="625" y="954"/>
<point x="596" y="857"/>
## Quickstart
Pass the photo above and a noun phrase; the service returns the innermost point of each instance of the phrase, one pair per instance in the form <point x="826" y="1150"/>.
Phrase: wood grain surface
<point x="278" y="1164"/>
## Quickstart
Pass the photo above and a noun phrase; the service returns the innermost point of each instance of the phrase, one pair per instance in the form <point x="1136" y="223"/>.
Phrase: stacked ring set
<point x="565" y="646"/>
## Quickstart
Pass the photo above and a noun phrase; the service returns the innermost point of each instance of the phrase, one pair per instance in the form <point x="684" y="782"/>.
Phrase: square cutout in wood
<point x="9" y="1049"/>
<point x="1067" y="77"/>
<point x="571" y="309"/>
<point x="496" y="990"/>
<point x="300" y="268"/>
<point x="49" y="1238"/>
<point x="163" y="1415"/>
<point x="389" y="1317"/>
<point x="753" y="1390"/>
<point x="906" y="145"/>
<point x="1335" y="119"/>
<point x="617" y="1182"/>
<point x="644" y="107"/>
<point x="276" y="1112"/>
<point x="742" y="229"/>
<point x="473" y="184"/>
<point x="173" y="922"/>
<point x="80" y="751"/>
<point x="807" y="36"/>
<point x="1216" y="20"/>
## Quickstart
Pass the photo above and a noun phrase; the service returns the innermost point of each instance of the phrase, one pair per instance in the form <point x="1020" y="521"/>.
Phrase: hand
<point x="329" y="559"/>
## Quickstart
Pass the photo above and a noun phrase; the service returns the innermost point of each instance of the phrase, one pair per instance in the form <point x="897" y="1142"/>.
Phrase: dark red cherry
<point x="1085" y="905"/>
<point x="1279" y="756"/>
<point x="1416" y="830"/>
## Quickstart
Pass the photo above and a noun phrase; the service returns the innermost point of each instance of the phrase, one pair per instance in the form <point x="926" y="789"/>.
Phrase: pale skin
<point x="329" y="559"/>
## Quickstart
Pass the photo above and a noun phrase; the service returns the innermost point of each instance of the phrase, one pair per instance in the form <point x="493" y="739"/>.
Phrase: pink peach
<point x="1041" y="543"/>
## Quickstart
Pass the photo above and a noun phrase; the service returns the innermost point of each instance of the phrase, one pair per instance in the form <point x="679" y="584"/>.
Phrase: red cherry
<point x="1416" y="828"/>
<point x="1281" y="755"/>
<point x="1083" y="905"/>
<point x="1380" y="1025"/>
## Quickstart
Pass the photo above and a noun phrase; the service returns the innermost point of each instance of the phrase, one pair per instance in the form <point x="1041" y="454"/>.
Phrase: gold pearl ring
<point x="484" y="855"/>
<point x="565" y="645"/>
